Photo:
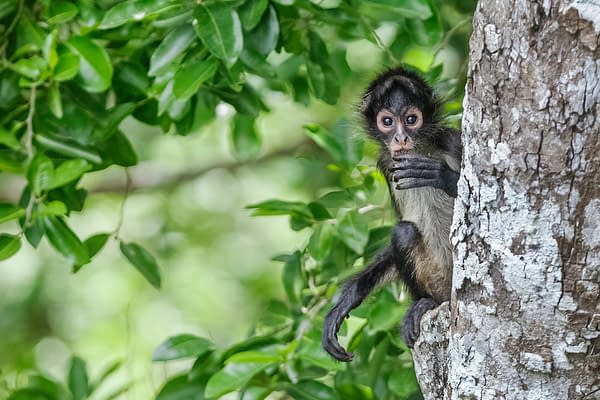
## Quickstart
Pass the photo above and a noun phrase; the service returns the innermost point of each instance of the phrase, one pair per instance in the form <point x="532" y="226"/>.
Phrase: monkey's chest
<point x="431" y="211"/>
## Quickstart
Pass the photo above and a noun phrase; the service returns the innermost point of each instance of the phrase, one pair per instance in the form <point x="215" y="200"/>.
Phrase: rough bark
<point x="525" y="313"/>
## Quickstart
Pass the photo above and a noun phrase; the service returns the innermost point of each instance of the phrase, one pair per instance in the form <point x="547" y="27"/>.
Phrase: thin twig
<point x="141" y="180"/>
<point x="7" y="32"/>
<point x="28" y="138"/>
<point x="444" y="43"/>
<point x="122" y="208"/>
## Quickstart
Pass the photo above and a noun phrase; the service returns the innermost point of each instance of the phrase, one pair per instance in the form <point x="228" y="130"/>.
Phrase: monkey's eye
<point x="387" y="121"/>
<point x="411" y="119"/>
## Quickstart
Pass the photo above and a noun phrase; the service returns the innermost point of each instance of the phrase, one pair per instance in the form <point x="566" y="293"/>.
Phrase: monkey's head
<point x="400" y="110"/>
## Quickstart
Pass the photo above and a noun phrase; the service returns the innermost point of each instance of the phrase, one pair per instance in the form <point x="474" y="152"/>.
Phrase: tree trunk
<point x="524" y="320"/>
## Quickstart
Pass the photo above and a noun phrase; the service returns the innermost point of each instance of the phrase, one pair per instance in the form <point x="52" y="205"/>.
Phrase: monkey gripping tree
<point x="524" y="319"/>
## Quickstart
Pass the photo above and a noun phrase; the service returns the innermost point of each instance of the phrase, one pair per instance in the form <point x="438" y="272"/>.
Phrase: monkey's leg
<point x="414" y="170"/>
<point x="405" y="238"/>
<point x="410" y="328"/>
<point x="353" y="293"/>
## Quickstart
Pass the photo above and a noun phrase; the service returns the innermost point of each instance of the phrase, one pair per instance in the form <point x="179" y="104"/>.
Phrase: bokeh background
<point x="186" y="203"/>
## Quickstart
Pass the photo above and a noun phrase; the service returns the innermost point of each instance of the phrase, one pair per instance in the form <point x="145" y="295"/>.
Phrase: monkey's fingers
<point x="411" y="324"/>
<point x="415" y="173"/>
<point x="418" y="163"/>
<point x="412" y="183"/>
<point x="329" y="341"/>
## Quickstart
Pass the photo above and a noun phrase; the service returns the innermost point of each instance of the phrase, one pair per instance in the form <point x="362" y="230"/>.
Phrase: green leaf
<point x="255" y="356"/>
<point x="251" y="13"/>
<point x="386" y="313"/>
<point x="67" y="67"/>
<point x="95" y="68"/>
<point x="232" y="377"/>
<point x="49" y="50"/>
<point x="96" y="242"/>
<point x="319" y="211"/>
<point x="403" y="382"/>
<point x="352" y="147"/>
<point x="281" y="207"/>
<point x="317" y="50"/>
<point x="7" y="7"/>
<point x="323" y="81"/>
<point x="9" y="245"/>
<point x="255" y="393"/>
<point x="53" y="208"/>
<point x="93" y="244"/>
<point x="143" y="261"/>
<point x="68" y="171"/>
<point x="336" y="199"/>
<point x="292" y="277"/>
<point x="311" y="390"/>
<point x="12" y="161"/>
<point x="172" y="46"/>
<point x="9" y="139"/>
<point x="257" y="63"/>
<point x="31" y="68"/>
<point x="248" y="101"/>
<point x="9" y="212"/>
<point x="190" y="77"/>
<point x="132" y="76"/>
<point x="312" y="352"/>
<point x="181" y="388"/>
<point x="131" y="10"/>
<point x="61" y="12"/>
<point x="182" y="346"/>
<point x="407" y="8"/>
<point x="378" y="238"/>
<point x="62" y="238"/>
<point x="264" y="37"/>
<point x="245" y="138"/>
<point x="354" y="231"/>
<point x="40" y="173"/>
<point x="119" y="150"/>
<point x="109" y="124"/>
<point x="41" y="388"/>
<point x="78" y="379"/>
<point x="54" y="101"/>
<point x="354" y="391"/>
<point x="28" y="34"/>
<point x="319" y="245"/>
<point x="324" y="139"/>
<point x="68" y="149"/>
<point x="218" y="27"/>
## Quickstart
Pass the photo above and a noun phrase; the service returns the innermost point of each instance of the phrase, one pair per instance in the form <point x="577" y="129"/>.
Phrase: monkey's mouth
<point x="400" y="153"/>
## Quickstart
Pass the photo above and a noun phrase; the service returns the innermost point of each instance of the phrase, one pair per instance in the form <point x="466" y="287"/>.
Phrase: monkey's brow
<point x="399" y="80"/>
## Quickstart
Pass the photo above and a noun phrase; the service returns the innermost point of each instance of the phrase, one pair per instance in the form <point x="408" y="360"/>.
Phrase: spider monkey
<point x="420" y="159"/>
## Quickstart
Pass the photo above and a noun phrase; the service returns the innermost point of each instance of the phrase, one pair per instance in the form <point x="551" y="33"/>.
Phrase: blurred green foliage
<point x="87" y="87"/>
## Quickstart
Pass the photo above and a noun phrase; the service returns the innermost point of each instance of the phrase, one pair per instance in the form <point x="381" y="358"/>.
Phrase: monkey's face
<point x="399" y="128"/>
<point x="397" y="120"/>
<point x="399" y="108"/>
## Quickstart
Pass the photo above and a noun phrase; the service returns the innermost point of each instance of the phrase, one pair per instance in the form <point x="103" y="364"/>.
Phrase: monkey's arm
<point x="414" y="170"/>
<point x="353" y="293"/>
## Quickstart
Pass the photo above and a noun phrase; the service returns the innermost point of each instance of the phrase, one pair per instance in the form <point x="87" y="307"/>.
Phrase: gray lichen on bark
<point x="525" y="313"/>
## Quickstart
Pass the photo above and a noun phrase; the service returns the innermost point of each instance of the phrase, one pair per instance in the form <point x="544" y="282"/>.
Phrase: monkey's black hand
<point x="411" y="324"/>
<point x="330" y="343"/>
<point x="414" y="170"/>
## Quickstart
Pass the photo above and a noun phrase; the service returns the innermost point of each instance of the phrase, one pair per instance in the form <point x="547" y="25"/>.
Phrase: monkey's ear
<point x="366" y="102"/>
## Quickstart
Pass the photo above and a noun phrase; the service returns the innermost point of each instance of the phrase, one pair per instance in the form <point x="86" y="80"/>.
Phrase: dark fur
<point x="422" y="184"/>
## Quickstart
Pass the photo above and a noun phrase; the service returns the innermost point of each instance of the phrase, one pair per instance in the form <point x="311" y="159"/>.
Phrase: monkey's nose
<point x="401" y="138"/>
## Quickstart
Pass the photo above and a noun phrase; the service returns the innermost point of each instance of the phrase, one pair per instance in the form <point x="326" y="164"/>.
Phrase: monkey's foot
<point x="411" y="324"/>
